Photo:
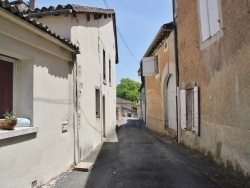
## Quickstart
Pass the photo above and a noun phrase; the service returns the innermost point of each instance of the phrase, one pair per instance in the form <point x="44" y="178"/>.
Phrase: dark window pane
<point x="6" y="87"/>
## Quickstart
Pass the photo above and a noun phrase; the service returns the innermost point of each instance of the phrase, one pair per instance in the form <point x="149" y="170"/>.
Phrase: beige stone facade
<point x="219" y="66"/>
<point x="157" y="116"/>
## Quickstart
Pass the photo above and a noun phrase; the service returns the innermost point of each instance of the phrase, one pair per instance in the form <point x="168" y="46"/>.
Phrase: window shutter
<point x="213" y="14"/>
<point x="196" y="110"/>
<point x="204" y="20"/>
<point x="149" y="66"/>
<point x="183" y="109"/>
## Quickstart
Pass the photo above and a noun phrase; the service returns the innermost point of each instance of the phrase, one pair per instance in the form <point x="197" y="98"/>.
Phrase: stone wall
<point x="221" y="70"/>
<point x="155" y="86"/>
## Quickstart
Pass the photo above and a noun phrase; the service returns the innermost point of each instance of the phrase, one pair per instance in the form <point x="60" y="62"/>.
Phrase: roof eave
<point x="37" y="28"/>
<point x="164" y="32"/>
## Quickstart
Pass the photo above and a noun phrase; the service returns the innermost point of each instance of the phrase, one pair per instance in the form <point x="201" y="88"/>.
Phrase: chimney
<point x="32" y="4"/>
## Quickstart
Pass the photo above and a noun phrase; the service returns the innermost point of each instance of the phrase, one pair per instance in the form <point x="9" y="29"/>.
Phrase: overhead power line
<point x="127" y="45"/>
<point x="106" y="4"/>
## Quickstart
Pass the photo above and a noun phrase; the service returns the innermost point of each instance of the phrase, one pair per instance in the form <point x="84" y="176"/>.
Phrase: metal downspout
<point x="176" y="73"/>
<point x="75" y="124"/>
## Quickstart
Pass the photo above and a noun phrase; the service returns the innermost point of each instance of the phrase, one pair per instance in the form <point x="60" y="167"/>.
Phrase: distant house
<point x="37" y="82"/>
<point x="158" y="88"/>
<point x="214" y="54"/>
<point x="126" y="105"/>
<point x="94" y="30"/>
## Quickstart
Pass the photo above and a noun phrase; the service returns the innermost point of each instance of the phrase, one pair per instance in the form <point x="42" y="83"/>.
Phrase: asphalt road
<point x="134" y="158"/>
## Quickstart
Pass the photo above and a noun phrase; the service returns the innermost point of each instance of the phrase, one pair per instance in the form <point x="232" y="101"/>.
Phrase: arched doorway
<point x="170" y="102"/>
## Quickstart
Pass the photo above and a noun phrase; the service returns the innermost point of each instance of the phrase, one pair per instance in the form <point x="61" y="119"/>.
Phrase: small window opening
<point x="104" y="67"/>
<point x="97" y="103"/>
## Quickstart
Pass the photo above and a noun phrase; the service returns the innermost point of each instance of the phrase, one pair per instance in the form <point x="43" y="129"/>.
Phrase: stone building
<point x="94" y="30"/>
<point x="159" y="83"/>
<point x="214" y="54"/>
<point x="126" y="106"/>
<point x="37" y="80"/>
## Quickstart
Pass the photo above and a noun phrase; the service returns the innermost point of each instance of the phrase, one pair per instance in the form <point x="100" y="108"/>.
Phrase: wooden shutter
<point x="183" y="109"/>
<point x="213" y="14"/>
<point x="204" y="22"/>
<point x="196" y="110"/>
<point x="148" y="66"/>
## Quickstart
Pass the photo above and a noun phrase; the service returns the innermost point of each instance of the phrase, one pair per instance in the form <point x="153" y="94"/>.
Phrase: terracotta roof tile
<point x="86" y="9"/>
<point x="12" y="8"/>
<point x="75" y="9"/>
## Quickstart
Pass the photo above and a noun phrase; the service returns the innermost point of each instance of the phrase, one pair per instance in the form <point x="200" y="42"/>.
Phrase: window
<point x="190" y="109"/>
<point x="9" y="93"/>
<point x="97" y="103"/>
<point x="209" y="18"/>
<point x="165" y="46"/>
<point x="7" y="85"/>
<point x="104" y="67"/>
<point x="88" y="17"/>
<point x="109" y="72"/>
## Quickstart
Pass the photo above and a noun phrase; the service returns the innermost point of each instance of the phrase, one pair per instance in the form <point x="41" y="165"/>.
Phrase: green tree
<point x="128" y="89"/>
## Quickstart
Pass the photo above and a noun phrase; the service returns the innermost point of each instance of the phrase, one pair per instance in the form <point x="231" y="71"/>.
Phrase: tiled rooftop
<point x="122" y="101"/>
<point x="161" y="35"/>
<point x="14" y="10"/>
<point x="74" y="8"/>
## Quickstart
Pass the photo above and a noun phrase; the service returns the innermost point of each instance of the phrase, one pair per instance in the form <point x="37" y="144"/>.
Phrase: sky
<point x="138" y="22"/>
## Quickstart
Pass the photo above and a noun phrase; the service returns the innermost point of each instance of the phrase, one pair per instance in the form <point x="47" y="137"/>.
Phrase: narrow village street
<point x="124" y="94"/>
<point x="134" y="157"/>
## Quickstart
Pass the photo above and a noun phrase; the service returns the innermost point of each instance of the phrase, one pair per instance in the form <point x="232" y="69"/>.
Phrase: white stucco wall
<point x="92" y="37"/>
<point x="44" y="95"/>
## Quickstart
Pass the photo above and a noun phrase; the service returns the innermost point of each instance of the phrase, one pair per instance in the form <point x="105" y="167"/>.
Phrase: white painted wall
<point x="92" y="37"/>
<point x="45" y="95"/>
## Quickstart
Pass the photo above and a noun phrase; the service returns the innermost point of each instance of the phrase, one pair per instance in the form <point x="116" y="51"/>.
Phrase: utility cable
<point x="127" y="45"/>
<point x="106" y="4"/>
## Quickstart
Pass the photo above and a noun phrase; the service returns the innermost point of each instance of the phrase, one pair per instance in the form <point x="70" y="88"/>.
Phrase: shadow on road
<point x="139" y="159"/>
<point x="133" y="157"/>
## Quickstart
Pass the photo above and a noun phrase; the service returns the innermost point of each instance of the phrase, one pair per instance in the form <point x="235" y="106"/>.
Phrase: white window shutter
<point x="148" y="66"/>
<point x="213" y="14"/>
<point x="205" y="34"/>
<point x="196" y="110"/>
<point x="183" y="109"/>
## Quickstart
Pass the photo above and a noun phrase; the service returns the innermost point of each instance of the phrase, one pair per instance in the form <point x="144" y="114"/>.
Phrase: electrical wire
<point x="127" y="45"/>
<point x="106" y="4"/>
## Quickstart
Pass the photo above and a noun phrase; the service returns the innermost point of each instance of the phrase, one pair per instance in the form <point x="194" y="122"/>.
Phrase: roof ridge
<point x="124" y="100"/>
<point x="91" y="7"/>
<point x="75" y="7"/>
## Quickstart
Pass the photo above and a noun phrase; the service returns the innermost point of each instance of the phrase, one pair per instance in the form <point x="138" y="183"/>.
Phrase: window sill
<point x="17" y="132"/>
<point x="217" y="36"/>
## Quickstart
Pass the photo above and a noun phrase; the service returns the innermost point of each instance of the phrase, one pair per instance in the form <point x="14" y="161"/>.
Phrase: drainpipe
<point x="177" y="75"/>
<point x="75" y="118"/>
